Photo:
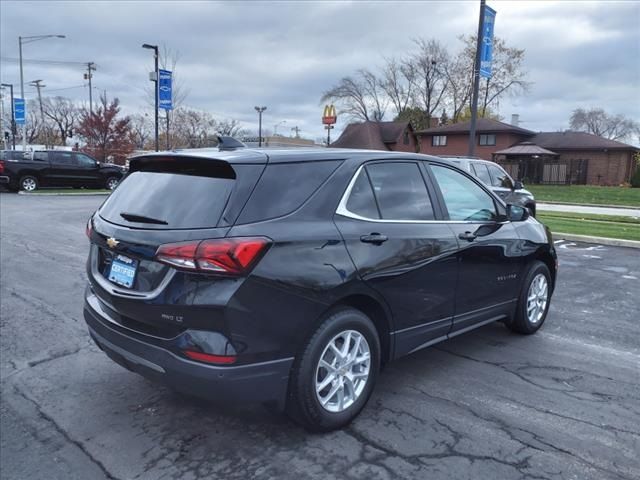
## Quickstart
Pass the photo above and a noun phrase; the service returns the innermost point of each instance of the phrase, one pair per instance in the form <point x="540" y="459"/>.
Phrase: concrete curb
<point x="58" y="194"/>
<point x="629" y="207"/>
<point x="612" y="242"/>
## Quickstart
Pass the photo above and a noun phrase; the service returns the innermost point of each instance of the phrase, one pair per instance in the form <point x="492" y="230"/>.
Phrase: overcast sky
<point x="285" y="54"/>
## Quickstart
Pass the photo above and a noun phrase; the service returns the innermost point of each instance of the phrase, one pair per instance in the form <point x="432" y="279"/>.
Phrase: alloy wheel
<point x="29" y="185"/>
<point x="112" y="183"/>
<point x="537" y="298"/>
<point x="343" y="371"/>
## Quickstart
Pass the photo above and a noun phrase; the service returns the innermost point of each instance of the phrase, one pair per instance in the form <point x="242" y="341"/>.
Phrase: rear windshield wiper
<point x="132" y="217"/>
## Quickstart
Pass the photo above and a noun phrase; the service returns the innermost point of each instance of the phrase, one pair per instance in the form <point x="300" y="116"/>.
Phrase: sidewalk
<point x="622" y="212"/>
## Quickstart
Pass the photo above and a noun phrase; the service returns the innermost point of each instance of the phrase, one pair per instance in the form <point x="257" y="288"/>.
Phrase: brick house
<point x="395" y="136"/>
<point x="535" y="157"/>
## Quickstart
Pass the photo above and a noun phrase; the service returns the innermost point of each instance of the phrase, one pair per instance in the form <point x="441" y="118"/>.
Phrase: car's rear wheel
<point x="533" y="304"/>
<point x="111" y="183"/>
<point x="28" y="183"/>
<point x="334" y="376"/>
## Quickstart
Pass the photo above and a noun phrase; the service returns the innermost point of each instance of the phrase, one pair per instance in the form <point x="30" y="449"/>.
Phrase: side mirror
<point x="516" y="213"/>
<point x="517" y="185"/>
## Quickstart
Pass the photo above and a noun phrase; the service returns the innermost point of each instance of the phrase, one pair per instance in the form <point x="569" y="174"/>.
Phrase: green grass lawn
<point x="586" y="194"/>
<point x="610" y="226"/>
<point x="69" y="191"/>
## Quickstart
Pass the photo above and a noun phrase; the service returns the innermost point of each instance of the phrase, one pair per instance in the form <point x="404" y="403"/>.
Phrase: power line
<point x="42" y="62"/>
<point x="64" y="88"/>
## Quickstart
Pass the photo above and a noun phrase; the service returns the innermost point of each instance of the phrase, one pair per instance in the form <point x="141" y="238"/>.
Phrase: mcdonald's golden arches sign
<point x="329" y="115"/>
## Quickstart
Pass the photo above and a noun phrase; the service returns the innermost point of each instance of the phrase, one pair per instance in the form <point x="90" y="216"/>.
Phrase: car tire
<point x="304" y="397"/>
<point x="28" y="183"/>
<point x="111" y="183"/>
<point x="534" y="300"/>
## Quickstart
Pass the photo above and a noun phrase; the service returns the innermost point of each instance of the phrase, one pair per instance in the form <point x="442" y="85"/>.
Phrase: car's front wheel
<point x="334" y="376"/>
<point x="533" y="304"/>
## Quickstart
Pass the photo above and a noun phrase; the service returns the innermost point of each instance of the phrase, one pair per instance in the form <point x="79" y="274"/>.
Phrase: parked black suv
<point x="56" y="168"/>
<point x="494" y="176"/>
<point x="296" y="275"/>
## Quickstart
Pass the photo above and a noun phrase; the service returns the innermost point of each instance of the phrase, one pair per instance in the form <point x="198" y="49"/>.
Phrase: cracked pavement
<point x="564" y="403"/>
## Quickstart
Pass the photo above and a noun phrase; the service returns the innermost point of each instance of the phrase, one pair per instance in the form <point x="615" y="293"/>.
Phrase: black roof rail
<point x="229" y="143"/>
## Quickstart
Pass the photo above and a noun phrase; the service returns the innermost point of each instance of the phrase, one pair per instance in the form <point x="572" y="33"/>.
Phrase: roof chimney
<point x="515" y="120"/>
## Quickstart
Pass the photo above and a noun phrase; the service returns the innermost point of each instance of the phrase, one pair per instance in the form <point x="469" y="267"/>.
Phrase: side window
<point x="61" y="158"/>
<point x="84" y="161"/>
<point x="489" y="139"/>
<point x="439" y="141"/>
<point x="499" y="177"/>
<point x="361" y="200"/>
<point x="464" y="199"/>
<point x="284" y="187"/>
<point x="482" y="173"/>
<point x="40" y="157"/>
<point x="400" y="191"/>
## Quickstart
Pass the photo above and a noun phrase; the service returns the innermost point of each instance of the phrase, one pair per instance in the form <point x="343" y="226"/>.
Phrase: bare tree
<point x="229" y="127"/>
<point x="141" y="129"/>
<point x="64" y="115"/>
<point x="598" y="122"/>
<point x="430" y="83"/>
<point x="193" y="128"/>
<point x="360" y="96"/>
<point x="398" y="80"/>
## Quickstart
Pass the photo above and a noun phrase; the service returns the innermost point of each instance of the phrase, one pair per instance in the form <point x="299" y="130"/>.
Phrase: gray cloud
<point x="285" y="54"/>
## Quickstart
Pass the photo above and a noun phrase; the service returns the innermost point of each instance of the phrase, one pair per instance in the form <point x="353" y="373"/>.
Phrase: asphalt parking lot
<point x="564" y="403"/>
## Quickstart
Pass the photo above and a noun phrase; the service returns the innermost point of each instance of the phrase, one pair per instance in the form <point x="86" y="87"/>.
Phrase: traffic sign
<point x="19" y="111"/>
<point x="486" y="49"/>
<point x="165" y="90"/>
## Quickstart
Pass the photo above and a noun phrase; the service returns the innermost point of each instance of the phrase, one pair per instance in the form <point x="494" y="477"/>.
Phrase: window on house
<point x="439" y="141"/>
<point x="488" y="139"/>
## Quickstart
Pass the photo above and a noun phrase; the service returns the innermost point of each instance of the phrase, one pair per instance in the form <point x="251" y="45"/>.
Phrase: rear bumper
<point x="4" y="179"/>
<point x="259" y="382"/>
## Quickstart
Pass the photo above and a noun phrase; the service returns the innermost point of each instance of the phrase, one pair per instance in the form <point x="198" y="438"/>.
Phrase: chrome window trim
<point x="343" y="211"/>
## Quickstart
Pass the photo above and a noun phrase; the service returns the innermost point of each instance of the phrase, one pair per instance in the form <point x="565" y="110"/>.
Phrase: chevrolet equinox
<point x="292" y="276"/>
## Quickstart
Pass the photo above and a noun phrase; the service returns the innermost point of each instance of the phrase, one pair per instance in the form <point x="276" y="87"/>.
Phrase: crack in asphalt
<point x="47" y="418"/>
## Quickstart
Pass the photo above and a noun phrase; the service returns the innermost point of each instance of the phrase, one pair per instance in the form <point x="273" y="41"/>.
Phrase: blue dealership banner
<point x="19" y="111"/>
<point x="165" y="90"/>
<point x="486" y="46"/>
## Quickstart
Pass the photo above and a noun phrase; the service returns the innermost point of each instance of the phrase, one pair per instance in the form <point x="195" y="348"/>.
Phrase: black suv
<point x="294" y="276"/>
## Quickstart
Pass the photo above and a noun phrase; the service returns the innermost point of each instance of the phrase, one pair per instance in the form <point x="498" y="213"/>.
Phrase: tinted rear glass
<point x="182" y="201"/>
<point x="284" y="187"/>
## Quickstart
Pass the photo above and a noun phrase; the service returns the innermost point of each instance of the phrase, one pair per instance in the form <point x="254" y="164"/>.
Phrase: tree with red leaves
<point x="107" y="136"/>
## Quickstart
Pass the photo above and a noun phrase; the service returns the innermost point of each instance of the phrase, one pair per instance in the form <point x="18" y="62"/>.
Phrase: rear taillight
<point x="233" y="256"/>
<point x="1" y="166"/>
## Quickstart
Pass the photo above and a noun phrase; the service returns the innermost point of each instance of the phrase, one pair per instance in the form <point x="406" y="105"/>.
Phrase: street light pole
<point x="260" y="110"/>
<point x="275" y="127"/>
<point x="157" y="83"/>
<point x="21" y="41"/>
<point x="13" y="116"/>
<point x="476" y="83"/>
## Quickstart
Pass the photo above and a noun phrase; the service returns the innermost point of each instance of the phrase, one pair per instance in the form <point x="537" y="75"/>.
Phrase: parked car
<point x="56" y="168"/>
<point x="294" y="276"/>
<point x="494" y="176"/>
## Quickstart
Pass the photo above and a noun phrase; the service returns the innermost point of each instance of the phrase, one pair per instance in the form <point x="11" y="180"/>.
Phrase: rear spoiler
<point x="182" y="164"/>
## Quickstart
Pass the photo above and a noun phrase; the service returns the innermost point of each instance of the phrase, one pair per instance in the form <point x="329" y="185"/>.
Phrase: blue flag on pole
<point x="165" y="90"/>
<point x="19" y="111"/>
<point x="486" y="46"/>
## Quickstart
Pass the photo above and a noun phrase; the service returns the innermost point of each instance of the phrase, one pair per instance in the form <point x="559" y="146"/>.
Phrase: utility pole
<point x="260" y="110"/>
<point x="38" y="84"/>
<point x="476" y="83"/>
<point x="88" y="76"/>
<point x="297" y="130"/>
<point x="4" y="138"/>
<point x="155" y="79"/>
<point x="13" y="116"/>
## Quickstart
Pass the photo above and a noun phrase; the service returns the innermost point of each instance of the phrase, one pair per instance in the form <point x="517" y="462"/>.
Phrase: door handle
<point x="468" y="236"/>
<point x="375" y="238"/>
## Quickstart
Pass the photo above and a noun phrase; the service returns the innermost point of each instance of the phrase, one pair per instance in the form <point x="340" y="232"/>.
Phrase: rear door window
<point x="361" y="200"/>
<point x="400" y="191"/>
<point x="499" y="177"/>
<point x="284" y="187"/>
<point x="62" y="158"/>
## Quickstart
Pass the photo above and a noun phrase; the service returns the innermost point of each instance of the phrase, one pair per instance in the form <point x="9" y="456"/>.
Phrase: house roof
<point x="570" y="140"/>
<point x="525" y="148"/>
<point x="483" y="125"/>
<point x="371" y="135"/>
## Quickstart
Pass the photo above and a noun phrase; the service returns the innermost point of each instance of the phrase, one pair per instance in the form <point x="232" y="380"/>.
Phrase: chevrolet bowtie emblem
<point x="112" y="242"/>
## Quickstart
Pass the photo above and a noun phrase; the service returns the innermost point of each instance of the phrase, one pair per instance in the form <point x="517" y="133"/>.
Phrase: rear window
<point x="175" y="196"/>
<point x="284" y="187"/>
